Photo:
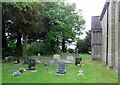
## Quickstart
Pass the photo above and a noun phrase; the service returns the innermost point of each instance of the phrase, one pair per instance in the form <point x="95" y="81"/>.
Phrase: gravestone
<point x="31" y="64"/>
<point x="47" y="63"/>
<point x="77" y="61"/>
<point x="39" y="55"/>
<point x="61" y="68"/>
<point x="56" y="58"/>
<point x="7" y="58"/>
<point x="70" y="58"/>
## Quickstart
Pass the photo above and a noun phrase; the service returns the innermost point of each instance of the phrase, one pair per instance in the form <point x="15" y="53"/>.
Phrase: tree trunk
<point x="4" y="43"/>
<point x="25" y="45"/>
<point x="18" y="49"/>
<point x="63" y="46"/>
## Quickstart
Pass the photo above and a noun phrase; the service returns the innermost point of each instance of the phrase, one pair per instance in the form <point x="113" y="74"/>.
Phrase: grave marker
<point x="56" y="58"/>
<point x="77" y="61"/>
<point x="61" y="68"/>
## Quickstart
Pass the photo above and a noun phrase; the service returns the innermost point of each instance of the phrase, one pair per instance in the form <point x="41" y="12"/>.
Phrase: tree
<point x="84" y="45"/>
<point x="65" y="23"/>
<point x="87" y="40"/>
<point x="26" y="18"/>
<point x="51" y="22"/>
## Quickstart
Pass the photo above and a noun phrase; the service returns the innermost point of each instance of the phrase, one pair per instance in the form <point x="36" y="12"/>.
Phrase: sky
<point x="89" y="8"/>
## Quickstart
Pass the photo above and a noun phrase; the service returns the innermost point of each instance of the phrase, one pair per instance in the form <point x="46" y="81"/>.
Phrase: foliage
<point x="65" y="23"/>
<point x="70" y="50"/>
<point x="37" y="47"/>
<point x="82" y="48"/>
<point x="84" y="45"/>
<point x="26" y="20"/>
<point x="52" y="22"/>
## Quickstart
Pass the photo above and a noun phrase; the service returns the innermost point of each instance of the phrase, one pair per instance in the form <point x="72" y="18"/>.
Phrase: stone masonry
<point x="96" y="39"/>
<point x="110" y="24"/>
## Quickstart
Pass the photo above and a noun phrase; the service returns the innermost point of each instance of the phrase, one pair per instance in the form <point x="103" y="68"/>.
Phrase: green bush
<point x="37" y="47"/>
<point x="70" y="50"/>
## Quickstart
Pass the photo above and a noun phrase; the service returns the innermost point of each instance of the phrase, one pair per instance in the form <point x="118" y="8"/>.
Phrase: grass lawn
<point x="94" y="72"/>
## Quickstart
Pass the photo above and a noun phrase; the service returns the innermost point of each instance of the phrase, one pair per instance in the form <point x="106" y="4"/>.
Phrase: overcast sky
<point x="89" y="8"/>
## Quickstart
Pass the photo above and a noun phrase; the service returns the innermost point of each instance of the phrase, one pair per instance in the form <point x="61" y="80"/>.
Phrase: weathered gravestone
<point x="31" y="64"/>
<point x="39" y="55"/>
<point x="61" y="68"/>
<point x="56" y="58"/>
<point x="7" y="58"/>
<point x="47" y="62"/>
<point x="78" y="60"/>
<point x="70" y="59"/>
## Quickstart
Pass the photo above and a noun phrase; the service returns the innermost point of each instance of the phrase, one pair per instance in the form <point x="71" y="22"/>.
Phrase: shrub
<point x="70" y="50"/>
<point x="37" y="47"/>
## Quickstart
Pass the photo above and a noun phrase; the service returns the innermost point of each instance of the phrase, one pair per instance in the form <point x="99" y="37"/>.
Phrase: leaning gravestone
<point x="61" y="68"/>
<point x="56" y="58"/>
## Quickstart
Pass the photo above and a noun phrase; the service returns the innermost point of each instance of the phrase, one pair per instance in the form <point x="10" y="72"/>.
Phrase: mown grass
<point x="94" y="72"/>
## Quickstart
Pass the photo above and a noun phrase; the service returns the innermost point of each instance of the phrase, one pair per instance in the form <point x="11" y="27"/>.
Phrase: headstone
<point x="56" y="58"/>
<point x="31" y="64"/>
<point x="61" y="68"/>
<point x="77" y="61"/>
<point x="47" y="63"/>
<point x="70" y="58"/>
<point x="77" y="50"/>
<point x="7" y="58"/>
<point x="39" y="55"/>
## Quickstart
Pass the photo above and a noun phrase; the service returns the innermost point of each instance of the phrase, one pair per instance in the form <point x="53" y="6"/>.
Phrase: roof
<point x="95" y="23"/>
<point x="104" y="9"/>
